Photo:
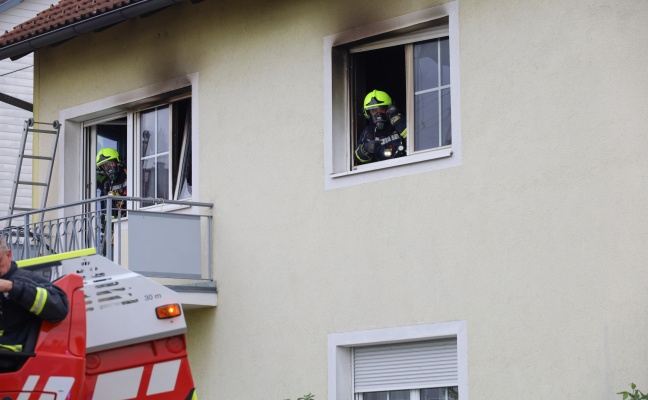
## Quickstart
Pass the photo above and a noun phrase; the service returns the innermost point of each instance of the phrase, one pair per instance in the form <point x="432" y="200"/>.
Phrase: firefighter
<point x="114" y="174"/>
<point x="385" y="137"/>
<point x="25" y="298"/>
<point x="111" y="180"/>
<point x="101" y="177"/>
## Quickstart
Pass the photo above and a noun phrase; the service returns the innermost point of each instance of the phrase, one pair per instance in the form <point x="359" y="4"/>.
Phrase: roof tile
<point x="65" y="12"/>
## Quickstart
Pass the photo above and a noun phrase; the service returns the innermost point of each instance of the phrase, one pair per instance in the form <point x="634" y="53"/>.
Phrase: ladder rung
<point x="23" y="209"/>
<point x="43" y="131"/>
<point x="32" y="183"/>
<point x="37" y="157"/>
<point x="29" y="127"/>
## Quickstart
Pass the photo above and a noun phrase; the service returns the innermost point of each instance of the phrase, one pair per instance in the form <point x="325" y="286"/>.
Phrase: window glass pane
<point x="392" y="395"/>
<point x="163" y="129"/>
<point x="185" y="189"/>
<point x="433" y="394"/>
<point x="426" y="119"/>
<point x="163" y="177"/>
<point x="148" y="178"/>
<point x="446" y="127"/>
<point x="399" y="395"/>
<point x="426" y="65"/>
<point x="440" y="394"/>
<point x="432" y="115"/>
<point x="376" y="396"/>
<point x="147" y="128"/>
<point x="445" y="61"/>
<point x="185" y="170"/>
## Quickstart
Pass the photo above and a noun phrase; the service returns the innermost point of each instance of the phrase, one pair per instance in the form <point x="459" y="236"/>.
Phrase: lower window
<point x="405" y="371"/>
<point x="419" y="362"/>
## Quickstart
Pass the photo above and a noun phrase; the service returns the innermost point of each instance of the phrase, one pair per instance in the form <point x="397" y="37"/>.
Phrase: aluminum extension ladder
<point x="28" y="129"/>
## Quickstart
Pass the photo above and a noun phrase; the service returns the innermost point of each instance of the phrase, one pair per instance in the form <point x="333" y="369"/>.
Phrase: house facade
<point x="16" y="80"/>
<point x="502" y="255"/>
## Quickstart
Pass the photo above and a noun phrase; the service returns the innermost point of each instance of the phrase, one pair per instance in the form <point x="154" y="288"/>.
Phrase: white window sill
<point x="435" y="154"/>
<point x="165" y="207"/>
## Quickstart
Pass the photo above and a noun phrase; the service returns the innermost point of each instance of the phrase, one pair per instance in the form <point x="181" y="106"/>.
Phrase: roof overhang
<point x="99" y="22"/>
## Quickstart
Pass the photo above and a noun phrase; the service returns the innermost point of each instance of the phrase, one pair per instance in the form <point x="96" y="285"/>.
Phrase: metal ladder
<point x="27" y="129"/>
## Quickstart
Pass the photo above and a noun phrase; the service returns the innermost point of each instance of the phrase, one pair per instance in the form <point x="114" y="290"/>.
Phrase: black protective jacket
<point x="31" y="299"/>
<point x="392" y="136"/>
<point x="116" y="188"/>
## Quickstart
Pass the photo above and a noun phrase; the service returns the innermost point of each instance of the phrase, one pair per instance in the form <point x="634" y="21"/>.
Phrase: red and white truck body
<point x="124" y="338"/>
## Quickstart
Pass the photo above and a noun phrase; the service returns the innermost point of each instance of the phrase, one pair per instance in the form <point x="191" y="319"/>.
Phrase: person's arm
<point x="5" y="285"/>
<point x="398" y="121"/>
<point x="365" y="151"/>
<point x="367" y="146"/>
<point x="39" y="297"/>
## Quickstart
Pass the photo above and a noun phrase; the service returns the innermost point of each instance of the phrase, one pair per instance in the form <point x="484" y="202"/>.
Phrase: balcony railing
<point x="155" y="237"/>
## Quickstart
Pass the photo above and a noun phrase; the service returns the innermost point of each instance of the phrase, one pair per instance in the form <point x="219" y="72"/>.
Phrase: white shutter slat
<point x="403" y="366"/>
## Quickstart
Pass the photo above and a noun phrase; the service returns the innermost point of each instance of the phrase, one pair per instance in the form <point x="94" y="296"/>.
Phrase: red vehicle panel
<point x="60" y="369"/>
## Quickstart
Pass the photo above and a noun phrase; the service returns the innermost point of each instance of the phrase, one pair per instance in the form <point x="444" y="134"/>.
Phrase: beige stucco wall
<point x="537" y="240"/>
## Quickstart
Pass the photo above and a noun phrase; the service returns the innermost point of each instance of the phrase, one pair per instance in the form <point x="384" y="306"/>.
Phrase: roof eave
<point x="29" y="45"/>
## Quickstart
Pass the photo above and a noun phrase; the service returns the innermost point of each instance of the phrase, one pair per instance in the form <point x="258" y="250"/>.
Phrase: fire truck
<point x="124" y="338"/>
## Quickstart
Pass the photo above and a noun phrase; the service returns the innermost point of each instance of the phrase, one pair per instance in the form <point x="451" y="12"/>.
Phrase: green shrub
<point x="306" y="397"/>
<point x="634" y="395"/>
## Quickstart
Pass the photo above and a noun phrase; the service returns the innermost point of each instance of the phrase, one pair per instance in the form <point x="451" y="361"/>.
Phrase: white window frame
<point x="91" y="136"/>
<point x="414" y="394"/>
<point x="340" y="346"/>
<point x="137" y="151"/>
<point x="71" y="134"/>
<point x="337" y="121"/>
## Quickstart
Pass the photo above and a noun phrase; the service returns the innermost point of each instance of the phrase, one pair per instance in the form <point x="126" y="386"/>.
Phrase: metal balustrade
<point x="82" y="225"/>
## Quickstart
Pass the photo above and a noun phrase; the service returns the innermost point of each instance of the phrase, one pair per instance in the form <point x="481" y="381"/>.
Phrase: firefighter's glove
<point x="370" y="147"/>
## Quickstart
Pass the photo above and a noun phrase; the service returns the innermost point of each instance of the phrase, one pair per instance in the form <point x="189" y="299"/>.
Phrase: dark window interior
<point x="181" y="114"/>
<point x="115" y="131"/>
<point x="381" y="69"/>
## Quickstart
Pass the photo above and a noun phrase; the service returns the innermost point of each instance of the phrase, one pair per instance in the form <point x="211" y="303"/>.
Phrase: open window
<point x="158" y="157"/>
<point x="122" y="112"/>
<point x="105" y="132"/>
<point x="415" y="71"/>
<point x="414" y="59"/>
<point x="163" y="164"/>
